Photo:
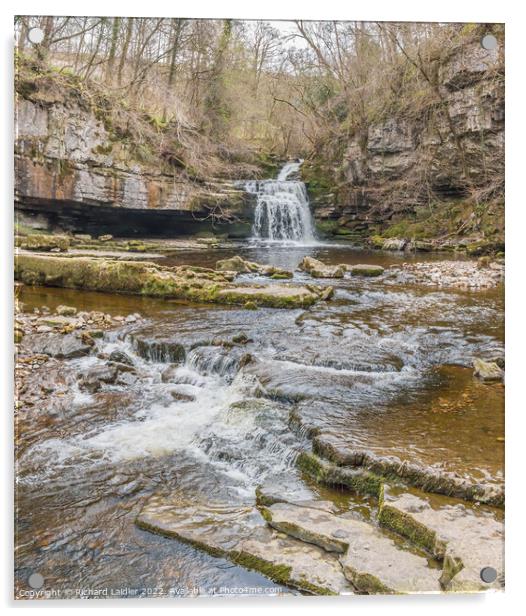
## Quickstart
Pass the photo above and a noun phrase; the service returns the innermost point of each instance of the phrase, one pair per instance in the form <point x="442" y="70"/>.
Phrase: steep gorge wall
<point x="411" y="166"/>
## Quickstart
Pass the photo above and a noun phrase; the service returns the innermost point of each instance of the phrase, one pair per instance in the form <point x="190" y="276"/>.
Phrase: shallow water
<point x="384" y="366"/>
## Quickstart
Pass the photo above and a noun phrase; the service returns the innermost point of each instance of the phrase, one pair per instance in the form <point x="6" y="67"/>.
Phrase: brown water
<point x="385" y="366"/>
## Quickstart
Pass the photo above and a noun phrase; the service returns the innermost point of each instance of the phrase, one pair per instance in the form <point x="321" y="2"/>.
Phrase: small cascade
<point x="282" y="209"/>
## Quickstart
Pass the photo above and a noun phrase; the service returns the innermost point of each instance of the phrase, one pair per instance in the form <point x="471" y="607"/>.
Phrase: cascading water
<point x="282" y="209"/>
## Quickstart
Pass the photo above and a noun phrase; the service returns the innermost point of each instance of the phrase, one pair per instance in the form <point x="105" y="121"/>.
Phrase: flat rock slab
<point x="273" y="295"/>
<point x="331" y="447"/>
<point x="372" y="561"/>
<point x="184" y="282"/>
<point x="467" y="539"/>
<point x="284" y="488"/>
<point x="240" y="534"/>
<point x="61" y="346"/>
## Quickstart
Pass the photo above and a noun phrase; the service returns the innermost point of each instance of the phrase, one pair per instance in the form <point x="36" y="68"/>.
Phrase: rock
<point x="131" y="318"/>
<point x="121" y="357"/>
<point x="371" y="561"/>
<point x="58" y="321"/>
<point x="149" y="279"/>
<point x="241" y="338"/>
<point x="66" y="311"/>
<point x="105" y="238"/>
<point x="45" y="243"/>
<point x="93" y="378"/>
<point x="239" y="265"/>
<point x="487" y="371"/>
<point x="394" y="244"/>
<point x="284" y="488"/>
<point x="250" y="306"/>
<point x="66" y="346"/>
<point x="366" y="270"/>
<point x="240" y="534"/>
<point x="19" y="334"/>
<point x="181" y="396"/>
<point x="159" y="350"/>
<point x="467" y="540"/>
<point x="83" y="237"/>
<point x="327" y="293"/>
<point x="44" y="329"/>
<point x="318" y="269"/>
<point x="234" y="264"/>
<point x="426" y="478"/>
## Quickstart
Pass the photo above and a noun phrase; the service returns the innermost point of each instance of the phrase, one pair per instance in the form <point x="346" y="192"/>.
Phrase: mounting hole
<point x="489" y="42"/>
<point x="36" y="580"/>
<point x="35" y="35"/>
<point x="488" y="575"/>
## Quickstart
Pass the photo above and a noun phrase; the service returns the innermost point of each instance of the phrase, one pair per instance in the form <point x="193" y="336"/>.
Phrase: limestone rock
<point x="144" y="278"/>
<point x="284" y="488"/>
<point x="465" y="538"/>
<point x="366" y="270"/>
<point x="240" y="534"/>
<point x="318" y="269"/>
<point x="66" y="346"/>
<point x="66" y="311"/>
<point x="45" y="243"/>
<point x="487" y="371"/>
<point x="394" y="244"/>
<point x="372" y="561"/>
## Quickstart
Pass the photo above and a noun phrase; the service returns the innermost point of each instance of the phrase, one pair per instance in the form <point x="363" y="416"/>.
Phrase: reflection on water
<point x="387" y="368"/>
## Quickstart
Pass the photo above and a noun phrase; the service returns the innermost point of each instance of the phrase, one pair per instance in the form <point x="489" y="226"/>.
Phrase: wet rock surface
<point x="466" y="540"/>
<point x="240" y="534"/>
<point x="318" y="269"/>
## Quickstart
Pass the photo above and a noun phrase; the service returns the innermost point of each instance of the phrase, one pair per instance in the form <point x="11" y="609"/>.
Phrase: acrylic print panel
<point x="259" y="307"/>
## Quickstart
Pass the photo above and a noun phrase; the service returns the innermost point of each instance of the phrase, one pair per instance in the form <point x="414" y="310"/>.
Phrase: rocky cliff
<point x="436" y="169"/>
<point x="75" y="168"/>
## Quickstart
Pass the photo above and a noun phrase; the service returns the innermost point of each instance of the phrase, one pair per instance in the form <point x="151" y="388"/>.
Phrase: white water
<point x="282" y="209"/>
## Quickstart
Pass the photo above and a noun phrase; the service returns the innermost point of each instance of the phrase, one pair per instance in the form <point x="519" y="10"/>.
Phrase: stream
<point x="386" y="366"/>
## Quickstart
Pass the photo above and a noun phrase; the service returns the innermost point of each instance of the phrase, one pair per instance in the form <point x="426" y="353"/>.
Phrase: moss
<point x="406" y="526"/>
<point x="44" y="243"/>
<point x="326" y="227"/>
<point x="376" y="241"/>
<point x="359" y="481"/>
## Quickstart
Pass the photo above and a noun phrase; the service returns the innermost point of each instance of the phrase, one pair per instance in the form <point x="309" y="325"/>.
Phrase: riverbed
<point x="384" y="365"/>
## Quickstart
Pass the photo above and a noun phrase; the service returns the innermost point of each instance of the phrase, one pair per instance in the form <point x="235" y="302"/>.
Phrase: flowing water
<point x="282" y="211"/>
<point x="384" y="365"/>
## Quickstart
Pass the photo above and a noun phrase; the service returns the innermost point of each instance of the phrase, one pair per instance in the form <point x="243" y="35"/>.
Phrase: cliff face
<point x="450" y="151"/>
<point x="71" y="167"/>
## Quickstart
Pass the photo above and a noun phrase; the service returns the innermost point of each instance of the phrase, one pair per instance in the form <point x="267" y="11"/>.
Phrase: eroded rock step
<point x="331" y="448"/>
<point x="467" y="539"/>
<point x="240" y="534"/>
<point x="371" y="561"/>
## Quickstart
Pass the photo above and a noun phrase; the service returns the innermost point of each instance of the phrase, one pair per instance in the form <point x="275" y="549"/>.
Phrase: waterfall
<point x="282" y="208"/>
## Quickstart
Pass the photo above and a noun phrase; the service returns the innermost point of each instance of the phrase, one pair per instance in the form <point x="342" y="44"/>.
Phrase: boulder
<point x="318" y="269"/>
<point x="121" y="357"/>
<point x="394" y="244"/>
<point x="66" y="311"/>
<point x="487" y="371"/>
<point x="366" y="270"/>
<point x="105" y="238"/>
<point x="61" y="346"/>
<point x="93" y="379"/>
